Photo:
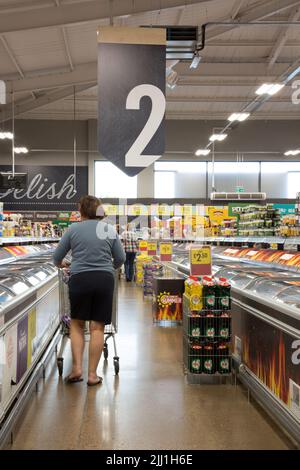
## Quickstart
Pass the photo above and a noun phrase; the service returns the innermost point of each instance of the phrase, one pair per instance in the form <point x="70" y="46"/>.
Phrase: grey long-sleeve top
<point x="95" y="246"/>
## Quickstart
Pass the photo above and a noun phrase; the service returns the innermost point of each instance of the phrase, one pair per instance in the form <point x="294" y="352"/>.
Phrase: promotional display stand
<point x="206" y="329"/>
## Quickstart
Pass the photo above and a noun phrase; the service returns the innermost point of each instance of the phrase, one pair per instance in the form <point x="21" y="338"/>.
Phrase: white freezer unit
<point x="29" y="320"/>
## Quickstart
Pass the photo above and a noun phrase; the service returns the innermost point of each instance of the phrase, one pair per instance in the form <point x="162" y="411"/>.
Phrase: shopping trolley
<point x="65" y="321"/>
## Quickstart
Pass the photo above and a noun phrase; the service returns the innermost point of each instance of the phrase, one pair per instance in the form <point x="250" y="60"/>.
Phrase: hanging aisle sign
<point x="132" y="96"/>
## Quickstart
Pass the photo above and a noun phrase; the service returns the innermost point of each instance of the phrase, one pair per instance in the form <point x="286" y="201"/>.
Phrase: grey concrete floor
<point x="149" y="406"/>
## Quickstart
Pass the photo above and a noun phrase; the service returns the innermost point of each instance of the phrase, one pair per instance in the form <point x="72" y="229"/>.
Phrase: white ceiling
<point x="48" y="46"/>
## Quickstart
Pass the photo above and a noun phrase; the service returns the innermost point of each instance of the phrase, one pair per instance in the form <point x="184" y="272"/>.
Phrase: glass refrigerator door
<point x="242" y="280"/>
<point x="266" y="288"/>
<point x="227" y="273"/>
<point x="14" y="284"/>
<point x="290" y="297"/>
<point x="5" y="296"/>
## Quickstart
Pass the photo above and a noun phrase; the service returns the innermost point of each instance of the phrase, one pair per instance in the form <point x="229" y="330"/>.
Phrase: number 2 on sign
<point x="134" y="155"/>
<point x="201" y="256"/>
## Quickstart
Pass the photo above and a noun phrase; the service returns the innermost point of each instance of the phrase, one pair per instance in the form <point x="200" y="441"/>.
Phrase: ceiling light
<point x="292" y="153"/>
<point x="238" y="117"/>
<point x="172" y="79"/>
<point x="200" y="152"/>
<point x="217" y="137"/>
<point x="269" y="89"/>
<point x="6" y="135"/>
<point x="21" y="150"/>
<point x="196" y="60"/>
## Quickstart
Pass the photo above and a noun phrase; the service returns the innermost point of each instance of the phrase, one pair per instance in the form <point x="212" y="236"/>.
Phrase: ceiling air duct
<point x="237" y="196"/>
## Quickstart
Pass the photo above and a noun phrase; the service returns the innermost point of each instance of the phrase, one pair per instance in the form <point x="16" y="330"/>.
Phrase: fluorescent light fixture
<point x="172" y="79"/>
<point x="292" y="153"/>
<point x="269" y="89"/>
<point x="21" y="150"/>
<point x="203" y="152"/>
<point x="196" y="61"/>
<point x="238" y="117"/>
<point x="6" y="135"/>
<point x="217" y="137"/>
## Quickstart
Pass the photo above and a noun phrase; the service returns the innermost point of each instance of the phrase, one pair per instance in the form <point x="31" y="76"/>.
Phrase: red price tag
<point x="152" y="248"/>
<point x="200" y="261"/>
<point x="166" y="251"/>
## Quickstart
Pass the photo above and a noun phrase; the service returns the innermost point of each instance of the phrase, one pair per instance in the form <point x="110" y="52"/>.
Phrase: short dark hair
<point x="91" y="208"/>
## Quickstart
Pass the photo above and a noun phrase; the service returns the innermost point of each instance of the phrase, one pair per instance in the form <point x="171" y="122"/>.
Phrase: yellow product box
<point x="187" y="286"/>
<point x="196" y="296"/>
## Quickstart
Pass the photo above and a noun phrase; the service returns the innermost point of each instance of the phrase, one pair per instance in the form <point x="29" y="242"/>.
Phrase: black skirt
<point x="91" y="296"/>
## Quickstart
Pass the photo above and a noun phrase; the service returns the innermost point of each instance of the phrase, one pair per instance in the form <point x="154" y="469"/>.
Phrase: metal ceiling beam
<point x="14" y="60"/>
<point x="236" y="9"/>
<point x="282" y="38"/>
<point x="12" y="56"/>
<point x="190" y="99"/>
<point x="24" y="106"/>
<point x="250" y="43"/>
<point x="256" y="13"/>
<point x="200" y="115"/>
<point x="66" y="41"/>
<point x="180" y="15"/>
<point x="29" y="5"/>
<point x="67" y="48"/>
<point x="87" y="74"/>
<point x="184" y="115"/>
<point x="82" y="74"/>
<point x="83" y="12"/>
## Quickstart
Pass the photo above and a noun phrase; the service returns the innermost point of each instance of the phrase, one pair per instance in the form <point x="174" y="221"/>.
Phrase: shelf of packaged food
<point x="257" y="222"/>
<point x="268" y="240"/>
<point x="22" y="240"/>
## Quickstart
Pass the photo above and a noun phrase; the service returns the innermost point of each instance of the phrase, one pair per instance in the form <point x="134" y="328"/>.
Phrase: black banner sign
<point x="131" y="90"/>
<point x="50" y="188"/>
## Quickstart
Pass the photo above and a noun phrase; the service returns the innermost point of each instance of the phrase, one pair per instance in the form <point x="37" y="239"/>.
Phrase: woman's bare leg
<point x="95" y="349"/>
<point x="77" y="346"/>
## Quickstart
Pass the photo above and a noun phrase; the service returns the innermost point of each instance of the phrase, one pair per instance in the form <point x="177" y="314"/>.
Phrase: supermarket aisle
<point x="149" y="406"/>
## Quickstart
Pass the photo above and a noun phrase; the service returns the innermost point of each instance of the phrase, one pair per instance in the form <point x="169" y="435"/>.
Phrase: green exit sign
<point x="239" y="189"/>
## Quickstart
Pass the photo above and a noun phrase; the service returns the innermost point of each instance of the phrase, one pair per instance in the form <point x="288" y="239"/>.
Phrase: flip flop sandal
<point x="73" y="380"/>
<point x="91" y="384"/>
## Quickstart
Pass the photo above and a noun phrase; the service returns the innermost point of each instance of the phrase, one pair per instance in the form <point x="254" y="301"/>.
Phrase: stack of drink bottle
<point x="207" y="325"/>
<point x="150" y="270"/>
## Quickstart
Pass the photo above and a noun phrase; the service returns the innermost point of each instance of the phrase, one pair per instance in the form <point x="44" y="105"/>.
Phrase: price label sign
<point x="152" y="248"/>
<point x="143" y="246"/>
<point x="166" y="251"/>
<point x="200" y="261"/>
<point x="274" y="246"/>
